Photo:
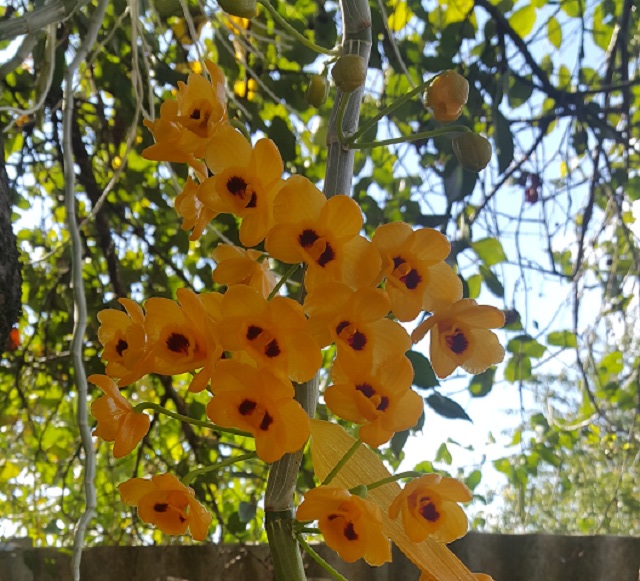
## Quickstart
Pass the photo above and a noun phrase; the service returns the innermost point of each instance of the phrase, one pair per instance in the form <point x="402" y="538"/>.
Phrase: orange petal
<point x="133" y="428"/>
<point x="430" y="245"/>
<point x="134" y="489"/>
<point x="227" y="148"/>
<point x="298" y="202"/>
<point x="342" y="216"/>
<point x="487" y="351"/>
<point x="266" y="162"/>
<point x="391" y="236"/>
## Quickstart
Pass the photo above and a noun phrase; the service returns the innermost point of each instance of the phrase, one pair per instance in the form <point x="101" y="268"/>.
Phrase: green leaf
<point x="246" y="511"/>
<point x="492" y="281"/>
<point x="554" y="32"/>
<point x="443" y="454"/>
<point x="572" y="8"/>
<point x="503" y="138"/>
<point x="565" y="339"/>
<point x="446" y="407"/>
<point x="518" y="368"/>
<point x="400" y="17"/>
<point x="474" y="284"/>
<point x="424" y="376"/>
<point x="489" y="250"/>
<point x="398" y="441"/>
<point x="473" y="479"/>
<point x="526" y="345"/>
<point x="481" y="384"/>
<point x="603" y="25"/>
<point x="522" y="20"/>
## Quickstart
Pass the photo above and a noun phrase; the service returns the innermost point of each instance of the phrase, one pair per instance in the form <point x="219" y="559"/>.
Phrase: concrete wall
<point x="505" y="557"/>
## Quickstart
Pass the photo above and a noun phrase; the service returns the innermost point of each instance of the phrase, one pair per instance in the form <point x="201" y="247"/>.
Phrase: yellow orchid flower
<point x="168" y="504"/>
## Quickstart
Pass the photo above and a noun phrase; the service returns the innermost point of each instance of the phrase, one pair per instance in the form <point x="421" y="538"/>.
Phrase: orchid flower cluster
<point x="248" y="346"/>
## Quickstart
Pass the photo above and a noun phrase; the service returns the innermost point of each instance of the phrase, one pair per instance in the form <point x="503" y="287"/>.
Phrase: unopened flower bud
<point x="472" y="150"/>
<point x="317" y="90"/>
<point x="241" y="8"/>
<point x="446" y="95"/>
<point x="349" y="72"/>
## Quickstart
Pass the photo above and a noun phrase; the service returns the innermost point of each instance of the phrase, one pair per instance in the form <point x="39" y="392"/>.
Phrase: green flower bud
<point x="360" y="490"/>
<point x="349" y="72"/>
<point x="241" y="8"/>
<point x="472" y="150"/>
<point x="446" y="95"/>
<point x="317" y="90"/>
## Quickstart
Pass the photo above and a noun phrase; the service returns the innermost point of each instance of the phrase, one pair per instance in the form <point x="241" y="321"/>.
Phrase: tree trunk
<point x="10" y="271"/>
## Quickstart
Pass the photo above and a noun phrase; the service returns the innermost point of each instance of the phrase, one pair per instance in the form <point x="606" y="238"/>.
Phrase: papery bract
<point x="329" y="443"/>
<point x="460" y="337"/>
<point x="117" y="422"/>
<point x="351" y="525"/>
<point x="168" y="504"/>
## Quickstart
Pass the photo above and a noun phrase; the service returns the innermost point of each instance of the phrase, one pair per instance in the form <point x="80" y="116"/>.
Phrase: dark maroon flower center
<point x="247" y="407"/>
<point x="350" y="532"/>
<point x="178" y="343"/>
<point x="429" y="512"/>
<point x="121" y="347"/>
<point x="457" y="342"/>
<point x="266" y="422"/>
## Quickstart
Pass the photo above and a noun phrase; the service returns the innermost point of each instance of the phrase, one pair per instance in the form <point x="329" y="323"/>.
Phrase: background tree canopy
<point x="549" y="232"/>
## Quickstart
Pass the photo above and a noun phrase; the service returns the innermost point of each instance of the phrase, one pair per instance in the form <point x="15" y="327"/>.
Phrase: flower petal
<point x="227" y="148"/>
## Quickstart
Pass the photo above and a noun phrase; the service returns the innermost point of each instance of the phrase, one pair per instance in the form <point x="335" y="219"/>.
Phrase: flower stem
<point x="350" y="452"/>
<point x="390" y="479"/>
<point x="283" y="279"/>
<point x="318" y="559"/>
<point x="388" y="109"/>
<point x="191" y="476"/>
<point x="297" y="35"/>
<point x="148" y="405"/>
<point x="410" y="138"/>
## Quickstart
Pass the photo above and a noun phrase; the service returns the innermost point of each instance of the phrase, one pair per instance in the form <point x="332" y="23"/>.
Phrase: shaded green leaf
<point x="492" y="281"/>
<point x="446" y="407"/>
<point x="424" y="376"/>
<point x="518" y="368"/>
<point x="562" y="339"/>
<point x="481" y="384"/>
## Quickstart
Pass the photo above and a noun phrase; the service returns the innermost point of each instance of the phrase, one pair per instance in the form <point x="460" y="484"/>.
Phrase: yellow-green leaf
<point x="554" y="32"/>
<point x="522" y="20"/>
<point x="400" y="17"/>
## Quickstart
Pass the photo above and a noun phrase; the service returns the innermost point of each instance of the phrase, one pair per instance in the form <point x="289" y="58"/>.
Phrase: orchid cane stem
<point x="281" y="484"/>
